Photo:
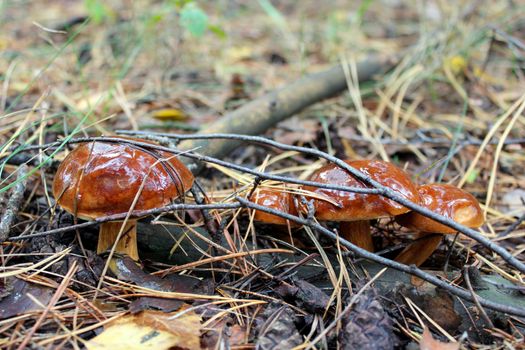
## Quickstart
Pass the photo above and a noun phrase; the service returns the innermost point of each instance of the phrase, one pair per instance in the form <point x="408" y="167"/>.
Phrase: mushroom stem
<point x="358" y="233"/>
<point x="421" y="249"/>
<point x="128" y="241"/>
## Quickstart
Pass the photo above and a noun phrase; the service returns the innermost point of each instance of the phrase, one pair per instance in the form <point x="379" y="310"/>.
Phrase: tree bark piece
<point x="259" y="115"/>
<point x="13" y="204"/>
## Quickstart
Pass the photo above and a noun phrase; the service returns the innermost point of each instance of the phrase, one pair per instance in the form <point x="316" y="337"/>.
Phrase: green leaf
<point x="218" y="31"/>
<point x="363" y="8"/>
<point x="194" y="19"/>
<point x="180" y="3"/>
<point x="154" y="19"/>
<point x="96" y="10"/>
<point x="472" y="176"/>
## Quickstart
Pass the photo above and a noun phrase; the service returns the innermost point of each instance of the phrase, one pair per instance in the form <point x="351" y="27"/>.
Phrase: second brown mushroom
<point x="447" y="200"/>
<point x="276" y="199"/>
<point x="355" y="210"/>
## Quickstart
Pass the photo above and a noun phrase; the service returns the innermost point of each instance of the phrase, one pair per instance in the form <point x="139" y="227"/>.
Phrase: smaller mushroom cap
<point x="274" y="199"/>
<point x="449" y="201"/>
<point x="101" y="178"/>
<point x="358" y="206"/>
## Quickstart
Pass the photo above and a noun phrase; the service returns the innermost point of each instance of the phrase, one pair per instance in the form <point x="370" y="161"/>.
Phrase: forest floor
<point x="451" y="111"/>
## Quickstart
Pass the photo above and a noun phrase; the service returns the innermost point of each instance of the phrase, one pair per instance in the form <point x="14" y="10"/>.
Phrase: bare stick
<point x="380" y="189"/>
<point x="259" y="115"/>
<point x="466" y="276"/>
<point x="135" y="214"/>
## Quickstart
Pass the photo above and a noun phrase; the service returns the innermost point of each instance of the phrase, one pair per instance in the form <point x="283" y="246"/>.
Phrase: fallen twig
<point x="136" y="214"/>
<point x="412" y="269"/>
<point x="358" y="251"/>
<point x="383" y="190"/>
<point x="466" y="277"/>
<point x="513" y="226"/>
<point x="377" y="187"/>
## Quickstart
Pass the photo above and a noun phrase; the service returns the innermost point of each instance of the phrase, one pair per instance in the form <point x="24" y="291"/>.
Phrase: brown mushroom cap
<point x="274" y="199"/>
<point x="449" y="201"/>
<point x="100" y="178"/>
<point x="358" y="206"/>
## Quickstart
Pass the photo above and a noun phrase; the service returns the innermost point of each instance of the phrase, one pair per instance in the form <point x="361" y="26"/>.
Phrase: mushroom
<point x="355" y="210"/>
<point x="99" y="179"/>
<point x="447" y="200"/>
<point x="279" y="200"/>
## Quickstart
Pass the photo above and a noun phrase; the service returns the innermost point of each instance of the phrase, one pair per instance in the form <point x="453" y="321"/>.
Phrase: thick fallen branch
<point x="259" y="115"/>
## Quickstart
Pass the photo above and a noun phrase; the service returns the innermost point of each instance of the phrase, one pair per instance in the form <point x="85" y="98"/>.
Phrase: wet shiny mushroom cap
<point x="358" y="206"/>
<point x="274" y="199"/>
<point x="100" y="178"/>
<point x="449" y="201"/>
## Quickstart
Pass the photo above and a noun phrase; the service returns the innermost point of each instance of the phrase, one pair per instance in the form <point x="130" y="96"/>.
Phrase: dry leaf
<point x="239" y="53"/>
<point x="417" y="282"/>
<point x="84" y="103"/>
<point x="150" y="330"/>
<point x="20" y="297"/>
<point x="238" y="335"/>
<point x="427" y="342"/>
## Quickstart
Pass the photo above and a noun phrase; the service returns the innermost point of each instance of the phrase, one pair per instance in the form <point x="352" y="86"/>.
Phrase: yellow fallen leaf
<point x="88" y="102"/>
<point x="427" y="342"/>
<point x="4" y="43"/>
<point x="17" y="86"/>
<point x="170" y="114"/>
<point x="150" y="330"/>
<point x="239" y="53"/>
<point x="457" y="64"/>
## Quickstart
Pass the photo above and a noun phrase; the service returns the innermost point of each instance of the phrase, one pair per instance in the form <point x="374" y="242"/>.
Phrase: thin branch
<point x="513" y="226"/>
<point x="412" y="269"/>
<point x="136" y="214"/>
<point x="377" y="187"/>
<point x="207" y="159"/>
<point x="384" y="191"/>
<point x="242" y="202"/>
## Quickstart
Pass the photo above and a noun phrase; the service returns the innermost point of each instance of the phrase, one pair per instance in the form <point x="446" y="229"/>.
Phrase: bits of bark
<point x="305" y="295"/>
<point x="13" y="204"/>
<point x="367" y="325"/>
<point x="276" y="329"/>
